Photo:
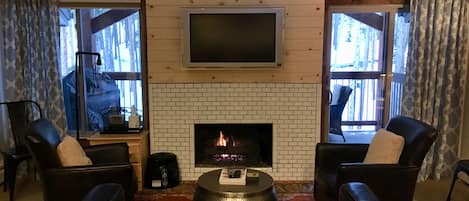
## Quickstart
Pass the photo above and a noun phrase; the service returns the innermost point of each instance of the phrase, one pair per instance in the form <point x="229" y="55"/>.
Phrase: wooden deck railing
<point x="363" y="107"/>
<point x="397" y="87"/>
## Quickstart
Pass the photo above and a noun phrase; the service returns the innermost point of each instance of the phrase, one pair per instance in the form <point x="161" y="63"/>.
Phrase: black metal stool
<point x="462" y="166"/>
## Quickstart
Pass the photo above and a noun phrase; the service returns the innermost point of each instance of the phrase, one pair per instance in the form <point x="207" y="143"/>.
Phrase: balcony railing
<point x="364" y="109"/>
<point x="397" y="87"/>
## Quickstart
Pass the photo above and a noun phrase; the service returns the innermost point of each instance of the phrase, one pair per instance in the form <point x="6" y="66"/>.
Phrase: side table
<point x="208" y="189"/>
<point x="138" y="149"/>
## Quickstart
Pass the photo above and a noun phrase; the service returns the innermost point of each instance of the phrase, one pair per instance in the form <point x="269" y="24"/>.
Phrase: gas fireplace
<point x="248" y="145"/>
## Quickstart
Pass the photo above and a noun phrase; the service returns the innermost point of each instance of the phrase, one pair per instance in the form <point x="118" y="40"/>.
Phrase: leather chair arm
<point x="356" y="191"/>
<point x="369" y="171"/>
<point x="108" y="153"/>
<point x="329" y="155"/>
<point x="77" y="181"/>
<point x="381" y="178"/>
<point x="106" y="192"/>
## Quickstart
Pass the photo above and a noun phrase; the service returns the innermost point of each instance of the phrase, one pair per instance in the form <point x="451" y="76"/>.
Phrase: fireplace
<point x="248" y="145"/>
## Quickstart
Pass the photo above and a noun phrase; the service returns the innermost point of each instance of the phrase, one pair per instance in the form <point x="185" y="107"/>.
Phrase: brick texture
<point x="293" y="109"/>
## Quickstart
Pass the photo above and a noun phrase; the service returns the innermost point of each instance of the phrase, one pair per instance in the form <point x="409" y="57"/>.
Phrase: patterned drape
<point x="29" y="55"/>
<point x="435" y="77"/>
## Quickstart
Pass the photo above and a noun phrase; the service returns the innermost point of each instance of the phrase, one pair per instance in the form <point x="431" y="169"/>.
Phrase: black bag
<point x="162" y="171"/>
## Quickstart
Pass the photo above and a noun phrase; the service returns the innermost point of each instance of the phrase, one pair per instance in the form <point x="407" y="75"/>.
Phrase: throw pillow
<point x="386" y="147"/>
<point x="71" y="154"/>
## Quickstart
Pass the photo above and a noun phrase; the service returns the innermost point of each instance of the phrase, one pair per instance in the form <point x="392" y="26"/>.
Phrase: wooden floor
<point x="353" y="137"/>
<point x="29" y="189"/>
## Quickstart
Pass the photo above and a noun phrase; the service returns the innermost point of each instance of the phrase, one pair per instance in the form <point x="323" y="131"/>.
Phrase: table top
<point x="209" y="183"/>
<point x="130" y="136"/>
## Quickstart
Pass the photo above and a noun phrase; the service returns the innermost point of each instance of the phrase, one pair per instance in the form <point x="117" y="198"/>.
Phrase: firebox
<point x="248" y="145"/>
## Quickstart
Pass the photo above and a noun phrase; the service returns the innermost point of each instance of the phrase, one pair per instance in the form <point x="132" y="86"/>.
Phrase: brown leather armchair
<point x="337" y="164"/>
<point x="110" y="165"/>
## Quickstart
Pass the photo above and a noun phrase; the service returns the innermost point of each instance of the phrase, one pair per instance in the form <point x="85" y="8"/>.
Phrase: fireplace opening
<point x="248" y="145"/>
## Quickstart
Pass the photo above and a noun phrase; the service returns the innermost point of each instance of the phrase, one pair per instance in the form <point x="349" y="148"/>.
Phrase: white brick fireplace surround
<point x="293" y="109"/>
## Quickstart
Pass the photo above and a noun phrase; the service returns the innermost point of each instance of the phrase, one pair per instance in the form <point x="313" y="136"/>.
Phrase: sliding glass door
<point x="366" y="48"/>
<point x="357" y="61"/>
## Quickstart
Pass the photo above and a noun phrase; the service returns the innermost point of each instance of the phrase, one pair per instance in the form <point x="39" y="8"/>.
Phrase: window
<point x="367" y="52"/>
<point x="110" y="86"/>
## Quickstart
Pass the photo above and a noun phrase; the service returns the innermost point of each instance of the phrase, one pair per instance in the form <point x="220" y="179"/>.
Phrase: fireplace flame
<point x="222" y="140"/>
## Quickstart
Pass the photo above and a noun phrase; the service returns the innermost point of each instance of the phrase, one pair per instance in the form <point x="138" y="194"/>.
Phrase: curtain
<point x="435" y="78"/>
<point x="29" y="55"/>
<point x="3" y="138"/>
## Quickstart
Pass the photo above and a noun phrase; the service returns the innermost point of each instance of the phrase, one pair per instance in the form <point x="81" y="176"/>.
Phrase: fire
<point x="222" y="140"/>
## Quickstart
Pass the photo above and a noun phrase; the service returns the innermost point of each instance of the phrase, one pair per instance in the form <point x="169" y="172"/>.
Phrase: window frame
<point x="115" y="75"/>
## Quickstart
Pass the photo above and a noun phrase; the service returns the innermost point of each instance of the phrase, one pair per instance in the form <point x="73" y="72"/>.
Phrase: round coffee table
<point x="208" y="189"/>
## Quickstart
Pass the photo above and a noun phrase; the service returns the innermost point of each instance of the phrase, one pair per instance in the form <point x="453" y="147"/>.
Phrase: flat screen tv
<point x="232" y="37"/>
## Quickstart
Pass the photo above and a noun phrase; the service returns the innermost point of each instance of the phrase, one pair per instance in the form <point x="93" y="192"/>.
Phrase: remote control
<point x="234" y="174"/>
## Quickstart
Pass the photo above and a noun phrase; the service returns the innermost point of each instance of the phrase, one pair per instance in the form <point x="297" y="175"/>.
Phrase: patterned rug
<point x="286" y="191"/>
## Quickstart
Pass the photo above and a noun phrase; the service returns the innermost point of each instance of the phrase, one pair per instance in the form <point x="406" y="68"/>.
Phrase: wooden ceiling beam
<point x="110" y="17"/>
<point x="365" y="2"/>
<point x="371" y="19"/>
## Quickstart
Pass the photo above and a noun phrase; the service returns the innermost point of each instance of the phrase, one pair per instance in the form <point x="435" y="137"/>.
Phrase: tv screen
<point x="237" y="37"/>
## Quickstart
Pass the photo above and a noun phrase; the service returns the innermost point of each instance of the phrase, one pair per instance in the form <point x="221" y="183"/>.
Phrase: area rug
<point x="188" y="197"/>
<point x="286" y="191"/>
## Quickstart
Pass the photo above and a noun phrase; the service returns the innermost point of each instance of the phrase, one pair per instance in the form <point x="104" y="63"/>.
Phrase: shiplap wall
<point x="303" y="42"/>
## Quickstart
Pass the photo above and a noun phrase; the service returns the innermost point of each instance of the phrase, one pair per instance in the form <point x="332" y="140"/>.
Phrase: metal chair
<point x="20" y="115"/>
<point x="340" y="97"/>
<point x="461" y="172"/>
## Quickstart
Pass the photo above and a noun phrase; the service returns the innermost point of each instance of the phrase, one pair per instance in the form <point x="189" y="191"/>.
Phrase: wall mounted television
<point x="232" y="37"/>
